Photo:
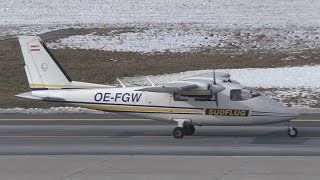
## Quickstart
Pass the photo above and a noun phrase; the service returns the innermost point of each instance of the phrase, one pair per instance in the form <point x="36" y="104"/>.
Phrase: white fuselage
<point x="163" y="107"/>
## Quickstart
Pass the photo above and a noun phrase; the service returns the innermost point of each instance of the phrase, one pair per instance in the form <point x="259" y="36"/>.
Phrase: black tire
<point x="178" y="132"/>
<point x="189" y="129"/>
<point x="293" y="132"/>
<point x="192" y="129"/>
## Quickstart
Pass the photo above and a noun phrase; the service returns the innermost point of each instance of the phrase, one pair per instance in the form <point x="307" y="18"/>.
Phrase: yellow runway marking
<point x="305" y="120"/>
<point x="306" y="137"/>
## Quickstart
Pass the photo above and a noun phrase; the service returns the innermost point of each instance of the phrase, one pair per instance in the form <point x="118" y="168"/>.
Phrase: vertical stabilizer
<point x="42" y="70"/>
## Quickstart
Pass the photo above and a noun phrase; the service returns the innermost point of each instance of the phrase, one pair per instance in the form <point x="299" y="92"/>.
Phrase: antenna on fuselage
<point x="121" y="83"/>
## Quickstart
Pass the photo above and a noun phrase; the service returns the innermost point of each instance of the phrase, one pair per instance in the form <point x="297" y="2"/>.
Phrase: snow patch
<point x="36" y="16"/>
<point x="296" y="97"/>
<point x="153" y="40"/>
<point x="225" y="14"/>
<point x="192" y="38"/>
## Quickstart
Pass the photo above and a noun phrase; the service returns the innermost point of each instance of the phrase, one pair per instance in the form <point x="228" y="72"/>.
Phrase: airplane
<point x="203" y="100"/>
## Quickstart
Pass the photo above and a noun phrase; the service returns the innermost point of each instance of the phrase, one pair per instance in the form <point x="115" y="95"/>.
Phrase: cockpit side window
<point x="235" y="95"/>
<point x="243" y="94"/>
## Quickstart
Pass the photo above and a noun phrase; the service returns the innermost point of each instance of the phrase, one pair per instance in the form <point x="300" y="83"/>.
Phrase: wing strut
<point x="151" y="82"/>
<point x="121" y="83"/>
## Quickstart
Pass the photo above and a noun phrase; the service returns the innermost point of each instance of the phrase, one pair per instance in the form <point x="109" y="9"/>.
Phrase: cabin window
<point x="179" y="97"/>
<point x="193" y="95"/>
<point x="204" y="98"/>
<point x="243" y="94"/>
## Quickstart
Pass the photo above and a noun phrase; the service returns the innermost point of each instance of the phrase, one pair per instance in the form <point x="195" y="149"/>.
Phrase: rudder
<point x="42" y="69"/>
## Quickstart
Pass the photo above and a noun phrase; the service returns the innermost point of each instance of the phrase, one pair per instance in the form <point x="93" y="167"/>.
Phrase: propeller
<point x="216" y="88"/>
<point x="214" y="84"/>
<point x="214" y="77"/>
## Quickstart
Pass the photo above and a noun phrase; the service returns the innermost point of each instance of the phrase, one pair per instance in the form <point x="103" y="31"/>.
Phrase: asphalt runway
<point x="112" y="134"/>
<point x="105" y="167"/>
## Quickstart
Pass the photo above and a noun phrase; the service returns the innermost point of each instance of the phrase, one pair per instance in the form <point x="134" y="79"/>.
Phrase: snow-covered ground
<point x="8" y="31"/>
<point x="224" y="14"/>
<point x="38" y="16"/>
<point x="181" y="39"/>
<point x="174" y="26"/>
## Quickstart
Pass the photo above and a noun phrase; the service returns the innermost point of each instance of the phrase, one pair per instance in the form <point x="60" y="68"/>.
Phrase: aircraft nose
<point x="290" y="112"/>
<point x="284" y="110"/>
<point x="293" y="112"/>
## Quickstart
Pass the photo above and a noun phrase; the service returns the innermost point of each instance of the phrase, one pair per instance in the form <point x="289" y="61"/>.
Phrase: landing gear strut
<point x="292" y="131"/>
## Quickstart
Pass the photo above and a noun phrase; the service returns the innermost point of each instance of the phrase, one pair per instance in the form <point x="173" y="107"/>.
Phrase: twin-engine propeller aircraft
<point x="204" y="100"/>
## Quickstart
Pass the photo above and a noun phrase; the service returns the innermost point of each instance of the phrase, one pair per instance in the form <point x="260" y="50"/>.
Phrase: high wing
<point x="171" y="87"/>
<point x="200" y="82"/>
<point x="221" y="77"/>
<point x="210" y="75"/>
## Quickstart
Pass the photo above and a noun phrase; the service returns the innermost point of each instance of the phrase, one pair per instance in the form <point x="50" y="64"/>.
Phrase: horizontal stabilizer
<point x="40" y="96"/>
<point x="28" y="95"/>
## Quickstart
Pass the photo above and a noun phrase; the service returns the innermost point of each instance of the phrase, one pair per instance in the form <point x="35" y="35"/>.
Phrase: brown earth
<point x="104" y="66"/>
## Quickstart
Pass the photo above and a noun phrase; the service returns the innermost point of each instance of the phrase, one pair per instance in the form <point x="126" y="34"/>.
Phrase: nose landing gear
<point x="292" y="132"/>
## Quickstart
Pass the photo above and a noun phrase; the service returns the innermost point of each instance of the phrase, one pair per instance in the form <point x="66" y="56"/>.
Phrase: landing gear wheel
<point x="292" y="132"/>
<point x="189" y="129"/>
<point x="178" y="132"/>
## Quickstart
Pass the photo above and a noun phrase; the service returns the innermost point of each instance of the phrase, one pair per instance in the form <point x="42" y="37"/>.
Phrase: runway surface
<point x="112" y="134"/>
<point x="106" y="167"/>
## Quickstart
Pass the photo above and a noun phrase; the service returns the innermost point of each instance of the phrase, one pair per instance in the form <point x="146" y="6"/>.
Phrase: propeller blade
<point x="216" y="98"/>
<point x="214" y="77"/>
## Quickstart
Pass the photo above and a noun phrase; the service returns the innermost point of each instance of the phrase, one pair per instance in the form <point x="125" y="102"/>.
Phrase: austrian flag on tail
<point x="35" y="48"/>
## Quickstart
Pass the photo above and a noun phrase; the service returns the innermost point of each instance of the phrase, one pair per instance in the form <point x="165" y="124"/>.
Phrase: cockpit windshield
<point x="243" y="94"/>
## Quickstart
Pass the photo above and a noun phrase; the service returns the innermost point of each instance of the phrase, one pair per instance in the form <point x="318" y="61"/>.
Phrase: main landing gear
<point x="178" y="132"/>
<point x="189" y="129"/>
<point x="186" y="130"/>
<point x="183" y="129"/>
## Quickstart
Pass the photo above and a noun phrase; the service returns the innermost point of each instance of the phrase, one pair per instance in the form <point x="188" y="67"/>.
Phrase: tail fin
<point x="42" y="69"/>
